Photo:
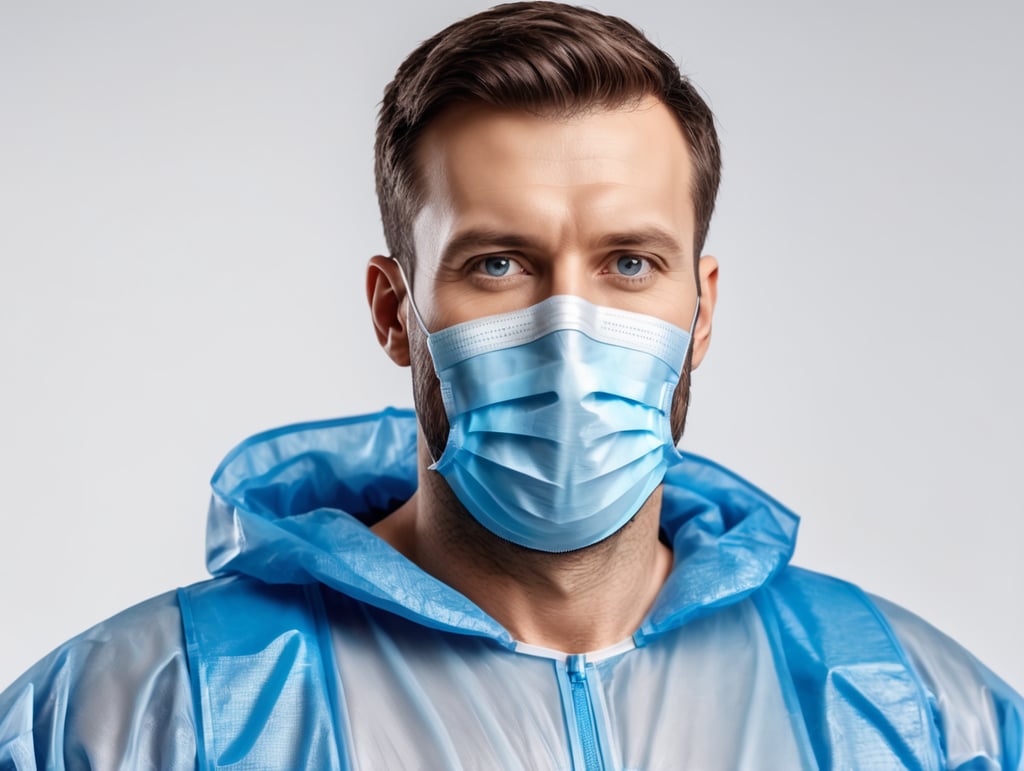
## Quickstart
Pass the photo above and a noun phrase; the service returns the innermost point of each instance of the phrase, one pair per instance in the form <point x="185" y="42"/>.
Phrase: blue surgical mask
<point x="558" y="418"/>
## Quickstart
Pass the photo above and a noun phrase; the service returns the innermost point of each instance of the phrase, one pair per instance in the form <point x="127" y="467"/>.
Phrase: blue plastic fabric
<point x="550" y="456"/>
<point x="261" y="690"/>
<point x="117" y="696"/>
<point x="862" y="704"/>
<point x="279" y="514"/>
<point x="742" y="663"/>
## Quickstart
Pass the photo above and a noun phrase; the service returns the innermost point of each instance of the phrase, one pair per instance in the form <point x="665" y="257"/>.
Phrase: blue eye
<point x="496" y="266"/>
<point x="629" y="265"/>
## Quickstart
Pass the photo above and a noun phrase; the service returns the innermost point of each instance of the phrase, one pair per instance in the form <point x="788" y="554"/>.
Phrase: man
<point x="534" y="578"/>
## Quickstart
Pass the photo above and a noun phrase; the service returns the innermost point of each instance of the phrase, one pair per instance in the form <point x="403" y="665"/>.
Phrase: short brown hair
<point x="541" y="57"/>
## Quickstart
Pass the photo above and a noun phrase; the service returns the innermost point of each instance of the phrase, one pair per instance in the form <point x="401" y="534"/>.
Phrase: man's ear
<point x="385" y="292"/>
<point x="707" y="273"/>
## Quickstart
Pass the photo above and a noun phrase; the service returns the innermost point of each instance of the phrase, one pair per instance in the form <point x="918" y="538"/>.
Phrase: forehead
<point x="471" y="151"/>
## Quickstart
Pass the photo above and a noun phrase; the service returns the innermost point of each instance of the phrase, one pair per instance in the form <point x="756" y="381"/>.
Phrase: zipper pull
<point x="576" y="664"/>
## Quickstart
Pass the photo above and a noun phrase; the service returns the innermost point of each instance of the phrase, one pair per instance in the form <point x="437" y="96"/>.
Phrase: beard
<point x="434" y="429"/>
<point x="426" y="393"/>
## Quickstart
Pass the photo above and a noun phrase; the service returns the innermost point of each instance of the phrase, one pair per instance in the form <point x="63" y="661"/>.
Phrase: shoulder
<point x="116" y="696"/>
<point x="829" y="628"/>
<point x="979" y="715"/>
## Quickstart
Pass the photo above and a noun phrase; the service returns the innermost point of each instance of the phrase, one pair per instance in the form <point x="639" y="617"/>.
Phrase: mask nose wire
<point x="411" y="296"/>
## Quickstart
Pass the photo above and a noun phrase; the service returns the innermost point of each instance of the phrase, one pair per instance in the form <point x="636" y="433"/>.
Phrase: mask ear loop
<point x="668" y="394"/>
<point x="693" y="321"/>
<point x="423" y="326"/>
<point x="411" y="296"/>
<point x="693" y="328"/>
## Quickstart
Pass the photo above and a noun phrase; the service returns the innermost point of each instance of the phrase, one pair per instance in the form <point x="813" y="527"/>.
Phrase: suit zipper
<point x="583" y="711"/>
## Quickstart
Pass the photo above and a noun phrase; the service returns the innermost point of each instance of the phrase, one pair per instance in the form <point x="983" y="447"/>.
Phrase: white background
<point x="186" y="209"/>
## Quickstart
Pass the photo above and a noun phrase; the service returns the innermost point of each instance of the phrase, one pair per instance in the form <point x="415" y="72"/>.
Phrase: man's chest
<point x="705" y="696"/>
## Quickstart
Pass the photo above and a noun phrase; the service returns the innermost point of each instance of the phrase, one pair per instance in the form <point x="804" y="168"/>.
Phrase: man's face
<point x="518" y="208"/>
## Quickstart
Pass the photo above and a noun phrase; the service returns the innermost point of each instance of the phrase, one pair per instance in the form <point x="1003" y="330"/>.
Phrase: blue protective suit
<point x="318" y="646"/>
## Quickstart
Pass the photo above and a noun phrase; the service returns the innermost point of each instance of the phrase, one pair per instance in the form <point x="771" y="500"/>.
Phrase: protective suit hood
<point x="291" y="506"/>
<point x="742" y="662"/>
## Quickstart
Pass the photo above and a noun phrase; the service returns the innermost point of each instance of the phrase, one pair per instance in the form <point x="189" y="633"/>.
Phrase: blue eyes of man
<point x="497" y="266"/>
<point x="627" y="265"/>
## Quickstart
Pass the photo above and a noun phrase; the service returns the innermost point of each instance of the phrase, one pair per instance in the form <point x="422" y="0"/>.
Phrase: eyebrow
<point x="653" y="238"/>
<point x="475" y="239"/>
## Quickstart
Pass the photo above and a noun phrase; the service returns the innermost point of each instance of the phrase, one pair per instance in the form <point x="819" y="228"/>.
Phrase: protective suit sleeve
<point x="116" y="696"/>
<point x="980" y="717"/>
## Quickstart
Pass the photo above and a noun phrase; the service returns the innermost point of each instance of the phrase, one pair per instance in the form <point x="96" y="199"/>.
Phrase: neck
<point x="574" y="602"/>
